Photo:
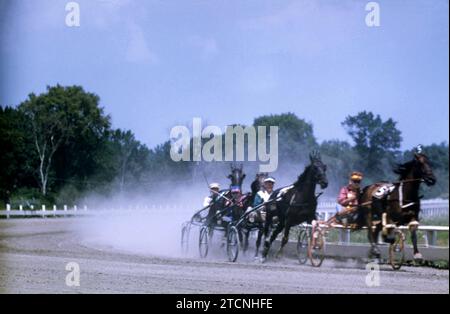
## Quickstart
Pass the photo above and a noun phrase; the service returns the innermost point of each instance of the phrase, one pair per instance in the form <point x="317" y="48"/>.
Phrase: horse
<point x="236" y="176"/>
<point x="296" y="204"/>
<point x="240" y="204"/>
<point x="396" y="203"/>
<point x="225" y="207"/>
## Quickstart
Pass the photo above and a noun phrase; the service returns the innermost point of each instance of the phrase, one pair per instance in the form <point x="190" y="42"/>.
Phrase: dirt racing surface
<point x="34" y="254"/>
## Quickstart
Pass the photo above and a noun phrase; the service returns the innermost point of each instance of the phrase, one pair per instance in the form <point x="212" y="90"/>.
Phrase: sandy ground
<point x="34" y="254"/>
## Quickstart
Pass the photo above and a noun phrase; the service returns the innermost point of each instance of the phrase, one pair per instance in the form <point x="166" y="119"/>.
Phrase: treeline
<point x="59" y="145"/>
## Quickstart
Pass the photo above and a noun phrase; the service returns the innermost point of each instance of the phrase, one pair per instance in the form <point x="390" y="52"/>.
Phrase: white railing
<point x="430" y="208"/>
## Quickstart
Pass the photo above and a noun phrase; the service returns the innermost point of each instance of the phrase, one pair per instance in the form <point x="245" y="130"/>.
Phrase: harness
<point x="400" y="193"/>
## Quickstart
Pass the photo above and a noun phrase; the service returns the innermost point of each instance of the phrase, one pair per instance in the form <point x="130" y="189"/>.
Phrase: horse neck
<point x="305" y="185"/>
<point x="410" y="187"/>
<point x="255" y="186"/>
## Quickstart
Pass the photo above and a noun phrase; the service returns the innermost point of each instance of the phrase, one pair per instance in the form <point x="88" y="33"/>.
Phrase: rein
<point x="406" y="181"/>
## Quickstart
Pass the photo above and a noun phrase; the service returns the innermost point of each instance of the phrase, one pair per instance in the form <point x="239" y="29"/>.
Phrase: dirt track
<point x="34" y="253"/>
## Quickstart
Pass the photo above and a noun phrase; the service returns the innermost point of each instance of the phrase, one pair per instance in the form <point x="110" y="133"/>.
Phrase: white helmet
<point x="269" y="179"/>
<point x="214" y="186"/>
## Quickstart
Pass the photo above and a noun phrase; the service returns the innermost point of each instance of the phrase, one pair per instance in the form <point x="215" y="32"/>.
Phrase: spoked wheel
<point x="185" y="238"/>
<point x="302" y="246"/>
<point x="232" y="244"/>
<point x="397" y="250"/>
<point x="316" y="248"/>
<point x="203" y="243"/>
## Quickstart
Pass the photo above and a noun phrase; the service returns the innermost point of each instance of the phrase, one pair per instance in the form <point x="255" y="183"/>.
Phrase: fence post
<point x="20" y="207"/>
<point x="347" y="236"/>
<point x="432" y="237"/>
<point x="341" y="236"/>
<point x="425" y="237"/>
<point x="65" y="208"/>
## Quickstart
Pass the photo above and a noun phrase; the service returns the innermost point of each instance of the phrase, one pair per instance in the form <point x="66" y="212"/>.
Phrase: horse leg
<point x="284" y="240"/>
<point x="413" y="230"/>
<point x="373" y="239"/>
<point x="273" y="236"/>
<point x="245" y="242"/>
<point x="240" y="237"/>
<point x="267" y="224"/>
<point x="258" y="240"/>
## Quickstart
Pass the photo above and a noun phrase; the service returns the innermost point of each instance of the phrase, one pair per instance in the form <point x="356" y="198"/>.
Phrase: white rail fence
<point x="430" y="208"/>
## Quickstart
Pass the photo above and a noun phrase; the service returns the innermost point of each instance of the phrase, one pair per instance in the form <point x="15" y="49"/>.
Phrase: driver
<point x="264" y="194"/>
<point x="214" y="192"/>
<point x="348" y="197"/>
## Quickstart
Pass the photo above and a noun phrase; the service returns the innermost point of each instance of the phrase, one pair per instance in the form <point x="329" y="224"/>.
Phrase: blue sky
<point x="156" y="64"/>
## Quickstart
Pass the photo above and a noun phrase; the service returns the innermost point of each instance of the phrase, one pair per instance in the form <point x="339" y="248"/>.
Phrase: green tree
<point x="295" y="136"/>
<point x="342" y="160"/>
<point x="62" y="116"/>
<point x="16" y="159"/>
<point x="374" y="139"/>
<point x="132" y="156"/>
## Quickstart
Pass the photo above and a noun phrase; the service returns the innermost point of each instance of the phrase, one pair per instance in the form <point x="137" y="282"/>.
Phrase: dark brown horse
<point x="396" y="203"/>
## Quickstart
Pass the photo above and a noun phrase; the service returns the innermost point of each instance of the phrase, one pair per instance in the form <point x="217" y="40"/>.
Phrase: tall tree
<point x="57" y="117"/>
<point x="127" y="149"/>
<point x="295" y="136"/>
<point x="373" y="138"/>
<point x="16" y="159"/>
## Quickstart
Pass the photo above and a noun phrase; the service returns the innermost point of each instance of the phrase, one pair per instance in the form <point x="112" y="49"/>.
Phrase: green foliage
<point x="342" y="160"/>
<point x="30" y="197"/>
<point x="374" y="139"/>
<point x="84" y="154"/>
<point x="295" y="138"/>
<point x="64" y="122"/>
<point x="17" y="158"/>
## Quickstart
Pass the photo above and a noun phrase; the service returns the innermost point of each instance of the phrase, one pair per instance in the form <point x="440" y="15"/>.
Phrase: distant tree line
<point x="60" y="144"/>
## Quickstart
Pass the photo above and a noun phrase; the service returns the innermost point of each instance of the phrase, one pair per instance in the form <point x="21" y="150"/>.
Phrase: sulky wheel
<point x="316" y="248"/>
<point x="203" y="242"/>
<point x="397" y="250"/>
<point x="302" y="245"/>
<point x="185" y="238"/>
<point x="232" y="244"/>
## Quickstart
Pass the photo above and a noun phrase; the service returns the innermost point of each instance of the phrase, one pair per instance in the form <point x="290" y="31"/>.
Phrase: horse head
<point x="319" y="169"/>
<point x="237" y="175"/>
<point x="418" y="168"/>
<point x="423" y="169"/>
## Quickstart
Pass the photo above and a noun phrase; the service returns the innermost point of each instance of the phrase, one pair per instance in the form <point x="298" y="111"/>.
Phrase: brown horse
<point x="396" y="203"/>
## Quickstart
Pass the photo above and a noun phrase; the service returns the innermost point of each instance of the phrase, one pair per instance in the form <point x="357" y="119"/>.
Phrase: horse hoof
<point x="418" y="257"/>
<point x="375" y="253"/>
<point x="376" y="260"/>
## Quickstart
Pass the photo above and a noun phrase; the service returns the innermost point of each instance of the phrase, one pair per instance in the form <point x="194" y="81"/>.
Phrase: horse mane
<point x="404" y="169"/>
<point x="302" y="178"/>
